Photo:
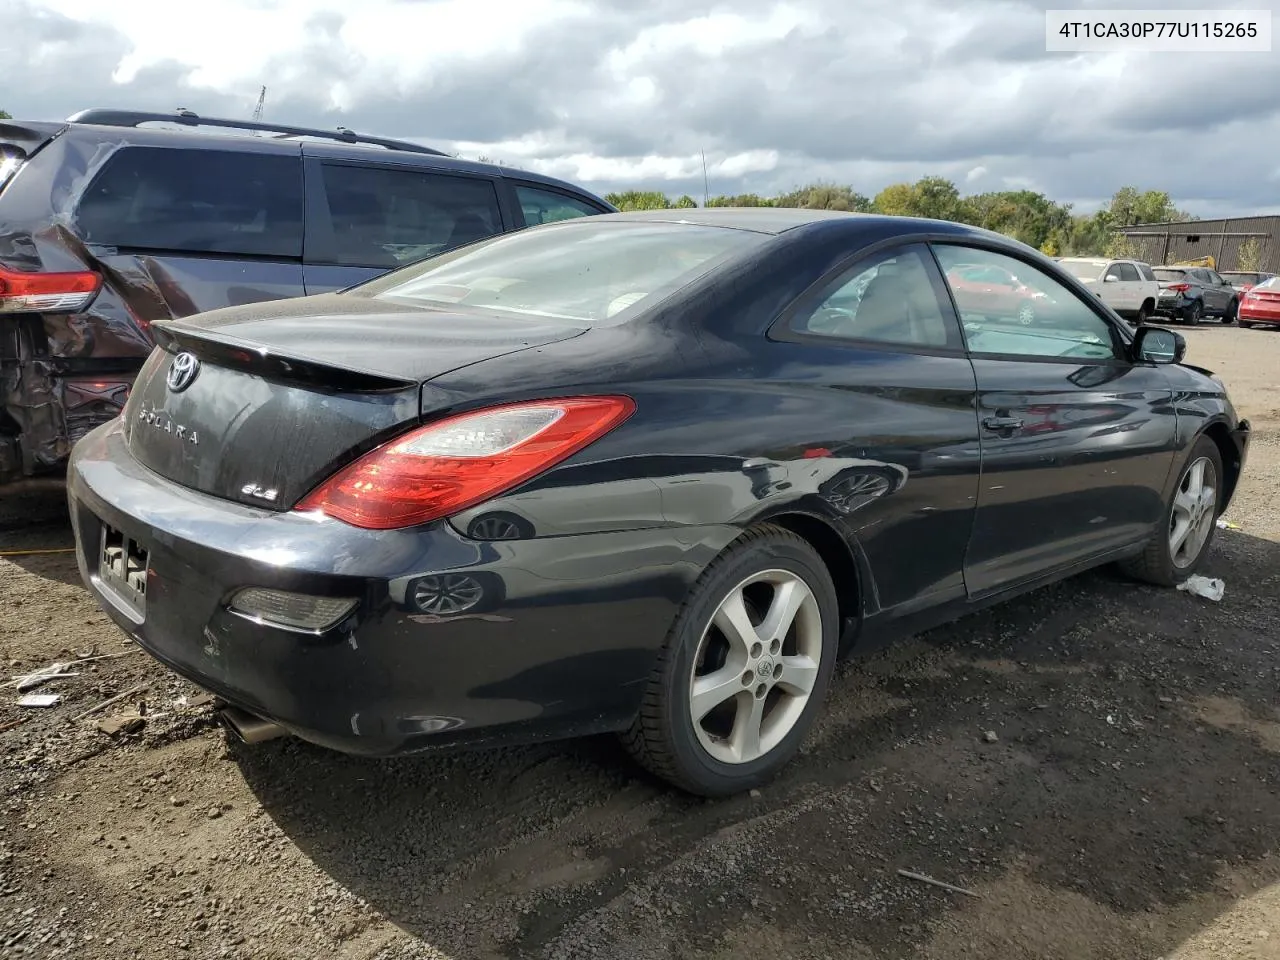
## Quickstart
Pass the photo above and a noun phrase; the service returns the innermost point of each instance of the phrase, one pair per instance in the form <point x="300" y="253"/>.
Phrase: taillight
<point x="455" y="463"/>
<point x="25" y="292"/>
<point x="1180" y="287"/>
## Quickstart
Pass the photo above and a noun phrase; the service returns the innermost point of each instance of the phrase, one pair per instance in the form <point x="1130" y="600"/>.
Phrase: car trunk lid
<point x="266" y="402"/>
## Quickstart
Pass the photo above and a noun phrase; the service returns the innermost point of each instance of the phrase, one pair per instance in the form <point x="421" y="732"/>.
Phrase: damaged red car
<point x="112" y="220"/>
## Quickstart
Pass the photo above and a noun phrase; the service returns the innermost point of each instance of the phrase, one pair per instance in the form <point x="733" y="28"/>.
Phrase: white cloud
<point x="616" y="93"/>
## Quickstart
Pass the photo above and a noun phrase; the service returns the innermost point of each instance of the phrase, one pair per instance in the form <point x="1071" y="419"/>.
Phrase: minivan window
<point x="585" y="269"/>
<point x="197" y="201"/>
<point x="387" y="217"/>
<point x="547" y="206"/>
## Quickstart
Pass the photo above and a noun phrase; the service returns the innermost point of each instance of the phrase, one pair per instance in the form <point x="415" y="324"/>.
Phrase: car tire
<point x="1230" y="315"/>
<point x="1026" y="314"/>
<point x="753" y="720"/>
<point x="1194" y="312"/>
<point x="1142" y="317"/>
<point x="1163" y="563"/>
<point x="1246" y="324"/>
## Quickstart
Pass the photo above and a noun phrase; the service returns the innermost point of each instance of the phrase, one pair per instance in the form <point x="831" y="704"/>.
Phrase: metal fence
<point x="1159" y="243"/>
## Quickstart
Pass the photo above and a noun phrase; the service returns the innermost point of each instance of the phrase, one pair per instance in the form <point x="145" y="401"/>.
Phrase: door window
<point x="890" y="297"/>
<point x="385" y="217"/>
<point x="197" y="201"/>
<point x="1033" y="316"/>
<point x="547" y="206"/>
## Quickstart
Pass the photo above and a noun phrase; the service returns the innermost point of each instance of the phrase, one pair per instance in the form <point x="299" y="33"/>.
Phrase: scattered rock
<point x="991" y="736"/>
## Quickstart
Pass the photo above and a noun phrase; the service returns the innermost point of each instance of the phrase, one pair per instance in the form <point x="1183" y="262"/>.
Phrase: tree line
<point x="1025" y="215"/>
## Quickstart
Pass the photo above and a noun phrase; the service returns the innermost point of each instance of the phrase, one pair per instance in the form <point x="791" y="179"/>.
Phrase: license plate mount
<point x="124" y="566"/>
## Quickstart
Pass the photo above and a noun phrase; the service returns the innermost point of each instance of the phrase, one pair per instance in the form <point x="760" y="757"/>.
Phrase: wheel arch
<point x="843" y="562"/>
<point x="1220" y="434"/>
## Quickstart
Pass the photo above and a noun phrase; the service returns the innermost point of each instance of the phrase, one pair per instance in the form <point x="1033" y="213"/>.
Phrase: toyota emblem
<point x="182" y="371"/>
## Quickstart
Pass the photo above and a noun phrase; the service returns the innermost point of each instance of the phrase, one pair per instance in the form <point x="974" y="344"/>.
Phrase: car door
<point x="880" y="346"/>
<point x="1077" y="440"/>
<point x="364" y="219"/>
<point x="1130" y="286"/>
<point x="1223" y="291"/>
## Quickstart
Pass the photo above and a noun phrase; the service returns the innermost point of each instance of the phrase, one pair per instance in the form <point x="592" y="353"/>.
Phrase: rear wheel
<point x="744" y="669"/>
<point x="1232" y="309"/>
<point x="1194" y="312"/>
<point x="1144" y="314"/>
<point x="1190" y="519"/>
<point x="1026" y="314"/>
<point x="1246" y="324"/>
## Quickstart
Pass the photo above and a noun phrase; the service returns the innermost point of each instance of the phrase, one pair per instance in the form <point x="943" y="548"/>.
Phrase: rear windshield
<point x="1082" y="269"/>
<point x="1163" y="274"/>
<point x="1271" y="283"/>
<point x="586" y="270"/>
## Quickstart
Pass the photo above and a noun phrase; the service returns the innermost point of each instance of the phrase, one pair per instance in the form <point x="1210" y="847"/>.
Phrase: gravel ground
<point x="1098" y="762"/>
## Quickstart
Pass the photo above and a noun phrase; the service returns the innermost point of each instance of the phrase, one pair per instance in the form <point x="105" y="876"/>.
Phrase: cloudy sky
<point x="627" y="93"/>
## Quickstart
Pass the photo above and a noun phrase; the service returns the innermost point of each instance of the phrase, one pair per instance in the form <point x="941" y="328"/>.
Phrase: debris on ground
<point x="1209" y="588"/>
<point x="937" y="883"/>
<point x="121" y="726"/>
<point x="1228" y="525"/>
<point x="40" y="700"/>
<point x="137" y="688"/>
<point x="991" y="736"/>
<point x="54" y="671"/>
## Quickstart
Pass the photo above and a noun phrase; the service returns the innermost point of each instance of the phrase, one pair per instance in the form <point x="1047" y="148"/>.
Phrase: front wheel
<point x="744" y="669"/>
<point x="1190" y="520"/>
<point x="1026" y="314"/>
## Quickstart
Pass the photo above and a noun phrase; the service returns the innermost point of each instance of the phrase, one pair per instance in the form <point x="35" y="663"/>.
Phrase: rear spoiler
<point x="27" y="137"/>
<point x="20" y="141"/>
<point x="225" y="351"/>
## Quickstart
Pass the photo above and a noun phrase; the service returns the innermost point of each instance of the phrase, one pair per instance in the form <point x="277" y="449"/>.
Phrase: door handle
<point x="1002" y="423"/>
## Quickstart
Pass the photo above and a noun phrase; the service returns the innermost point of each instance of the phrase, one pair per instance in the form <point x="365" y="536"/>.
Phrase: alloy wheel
<point x="1026" y="314"/>
<point x="1194" y="512"/>
<point x="756" y="666"/>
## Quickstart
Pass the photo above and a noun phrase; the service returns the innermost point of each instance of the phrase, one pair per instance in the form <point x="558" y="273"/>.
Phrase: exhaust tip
<point x="249" y="728"/>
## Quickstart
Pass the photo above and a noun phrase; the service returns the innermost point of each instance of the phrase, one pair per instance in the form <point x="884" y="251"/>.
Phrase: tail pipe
<point x="249" y="728"/>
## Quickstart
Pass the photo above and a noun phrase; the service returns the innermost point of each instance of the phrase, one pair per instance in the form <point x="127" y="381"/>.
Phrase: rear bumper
<point x="1251" y="313"/>
<point x="559" y="645"/>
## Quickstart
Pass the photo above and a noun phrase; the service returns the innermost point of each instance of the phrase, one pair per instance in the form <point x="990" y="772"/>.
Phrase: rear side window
<point x="548" y="206"/>
<point x="1146" y="271"/>
<point x="384" y="217"/>
<point x="889" y="298"/>
<point x="196" y="201"/>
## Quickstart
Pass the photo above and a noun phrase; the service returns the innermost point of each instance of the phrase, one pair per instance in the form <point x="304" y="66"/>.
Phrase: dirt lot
<point x="1129" y="805"/>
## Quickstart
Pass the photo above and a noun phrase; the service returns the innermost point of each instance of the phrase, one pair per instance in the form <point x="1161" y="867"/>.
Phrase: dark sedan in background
<point x="632" y="473"/>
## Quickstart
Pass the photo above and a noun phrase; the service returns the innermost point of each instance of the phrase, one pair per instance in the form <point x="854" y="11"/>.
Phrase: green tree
<point x="639" y="200"/>
<point x="1250" y="257"/>
<point x="5" y="116"/>
<point x="933" y="197"/>
<point x="742" y="200"/>
<point x="1121" y="247"/>
<point x="1130" y="206"/>
<point x="825" y="196"/>
<point x="685" y="202"/>
<point x="895" y="200"/>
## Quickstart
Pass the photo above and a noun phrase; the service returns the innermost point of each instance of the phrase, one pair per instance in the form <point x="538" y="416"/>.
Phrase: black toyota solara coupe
<point x="642" y="473"/>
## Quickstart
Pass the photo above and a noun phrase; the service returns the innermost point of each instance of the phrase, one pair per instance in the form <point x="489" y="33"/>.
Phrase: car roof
<point x="1086" y="259"/>
<point x="206" y="139"/>
<point x="777" y="220"/>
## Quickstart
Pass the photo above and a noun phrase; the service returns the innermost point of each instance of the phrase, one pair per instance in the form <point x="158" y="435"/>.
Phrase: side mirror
<point x="1158" y="345"/>
<point x="1110" y="278"/>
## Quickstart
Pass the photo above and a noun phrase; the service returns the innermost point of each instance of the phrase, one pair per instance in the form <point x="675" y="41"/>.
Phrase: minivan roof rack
<point x="135" y="118"/>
